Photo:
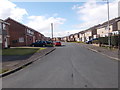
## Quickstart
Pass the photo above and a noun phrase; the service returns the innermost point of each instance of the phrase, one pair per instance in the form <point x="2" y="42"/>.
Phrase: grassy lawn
<point x="21" y="50"/>
<point x="3" y="70"/>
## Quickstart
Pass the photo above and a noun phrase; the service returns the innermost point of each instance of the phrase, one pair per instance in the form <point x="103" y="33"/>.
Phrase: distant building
<point x="57" y="39"/>
<point x="82" y="36"/>
<point x="65" y="39"/>
<point x="100" y="30"/>
<point x="76" y="37"/>
<point x="71" y="38"/>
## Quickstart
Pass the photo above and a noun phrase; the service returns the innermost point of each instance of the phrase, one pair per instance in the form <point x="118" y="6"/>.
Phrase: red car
<point x="57" y="43"/>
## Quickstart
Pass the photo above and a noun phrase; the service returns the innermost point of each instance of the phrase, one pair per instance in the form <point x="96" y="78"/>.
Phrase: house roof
<point x="112" y="21"/>
<point x="19" y="23"/>
<point x="2" y="21"/>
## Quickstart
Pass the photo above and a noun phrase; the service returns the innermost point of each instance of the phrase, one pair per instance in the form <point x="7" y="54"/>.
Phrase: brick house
<point x="43" y="38"/>
<point x="118" y="24"/>
<point x="76" y="36"/>
<point x="20" y="35"/>
<point x="65" y="39"/>
<point x="57" y="39"/>
<point x="71" y="38"/>
<point x="88" y="35"/>
<point x="102" y="30"/>
<point x="82" y="36"/>
<point x="38" y="36"/>
<point x="4" y="35"/>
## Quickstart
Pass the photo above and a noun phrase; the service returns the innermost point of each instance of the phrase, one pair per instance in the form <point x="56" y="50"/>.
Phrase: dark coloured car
<point x="39" y="44"/>
<point x="49" y="42"/>
<point x="90" y="41"/>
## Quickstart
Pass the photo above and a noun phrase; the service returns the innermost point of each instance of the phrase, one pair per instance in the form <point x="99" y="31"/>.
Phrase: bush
<point x="114" y="40"/>
<point x="95" y="41"/>
<point x="104" y="40"/>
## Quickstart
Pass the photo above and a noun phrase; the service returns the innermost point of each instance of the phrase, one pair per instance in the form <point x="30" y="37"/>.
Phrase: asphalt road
<point x="69" y="66"/>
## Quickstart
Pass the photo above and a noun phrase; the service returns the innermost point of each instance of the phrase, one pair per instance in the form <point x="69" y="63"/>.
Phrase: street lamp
<point x="68" y="36"/>
<point x="52" y="31"/>
<point x="108" y="26"/>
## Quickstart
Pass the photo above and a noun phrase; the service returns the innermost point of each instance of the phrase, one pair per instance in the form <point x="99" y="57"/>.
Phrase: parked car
<point x="90" y="41"/>
<point x="57" y="43"/>
<point x="49" y="44"/>
<point x="39" y="44"/>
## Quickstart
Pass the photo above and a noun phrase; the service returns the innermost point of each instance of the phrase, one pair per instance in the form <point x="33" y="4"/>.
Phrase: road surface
<point x="69" y="66"/>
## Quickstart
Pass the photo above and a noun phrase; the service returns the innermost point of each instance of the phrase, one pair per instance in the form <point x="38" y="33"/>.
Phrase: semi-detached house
<point x="76" y="36"/>
<point x="103" y="30"/>
<point x="21" y="35"/>
<point x="82" y="36"/>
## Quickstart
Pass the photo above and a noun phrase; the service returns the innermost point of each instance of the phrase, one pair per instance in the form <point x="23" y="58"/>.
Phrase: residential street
<point x="69" y="66"/>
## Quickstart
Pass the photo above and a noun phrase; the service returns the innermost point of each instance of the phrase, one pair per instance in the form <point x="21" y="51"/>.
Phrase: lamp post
<point x="108" y="26"/>
<point x="52" y="31"/>
<point x="68" y="36"/>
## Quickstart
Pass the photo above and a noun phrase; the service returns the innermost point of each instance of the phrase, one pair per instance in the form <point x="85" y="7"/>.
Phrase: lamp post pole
<point x="52" y="31"/>
<point x="108" y="27"/>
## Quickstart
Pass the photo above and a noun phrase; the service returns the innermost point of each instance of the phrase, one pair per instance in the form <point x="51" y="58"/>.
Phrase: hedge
<point x="104" y="40"/>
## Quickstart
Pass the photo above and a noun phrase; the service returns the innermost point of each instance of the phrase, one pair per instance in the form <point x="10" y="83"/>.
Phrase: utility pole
<point x="68" y="36"/>
<point x="109" y="35"/>
<point x="52" y="31"/>
<point x="108" y="26"/>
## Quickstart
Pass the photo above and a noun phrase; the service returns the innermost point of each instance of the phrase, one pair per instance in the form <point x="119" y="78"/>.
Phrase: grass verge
<point x="21" y="51"/>
<point x="3" y="70"/>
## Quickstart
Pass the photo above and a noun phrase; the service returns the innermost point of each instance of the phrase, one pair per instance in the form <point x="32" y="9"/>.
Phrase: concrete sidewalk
<point x="20" y="62"/>
<point x="111" y="53"/>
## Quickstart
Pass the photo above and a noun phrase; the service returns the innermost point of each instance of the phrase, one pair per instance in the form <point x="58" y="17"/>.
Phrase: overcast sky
<point x="67" y="17"/>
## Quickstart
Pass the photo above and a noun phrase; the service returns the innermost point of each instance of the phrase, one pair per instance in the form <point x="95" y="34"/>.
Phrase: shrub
<point x="104" y="40"/>
<point x="95" y="41"/>
<point x="114" y="40"/>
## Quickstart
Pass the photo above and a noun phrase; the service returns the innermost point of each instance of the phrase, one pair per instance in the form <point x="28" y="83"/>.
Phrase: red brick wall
<point x="37" y="36"/>
<point x="29" y="40"/>
<point x="16" y="31"/>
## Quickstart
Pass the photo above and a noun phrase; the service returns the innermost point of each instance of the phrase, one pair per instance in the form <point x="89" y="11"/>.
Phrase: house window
<point x="21" y="39"/>
<point x="14" y="41"/>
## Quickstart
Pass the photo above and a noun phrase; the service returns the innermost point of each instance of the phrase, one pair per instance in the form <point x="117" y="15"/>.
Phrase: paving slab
<point x="14" y="62"/>
<point x="112" y="53"/>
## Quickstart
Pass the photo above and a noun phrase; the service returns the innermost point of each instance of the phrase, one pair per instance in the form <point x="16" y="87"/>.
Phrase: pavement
<point x="110" y="53"/>
<point x="14" y="63"/>
<point x="69" y="66"/>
